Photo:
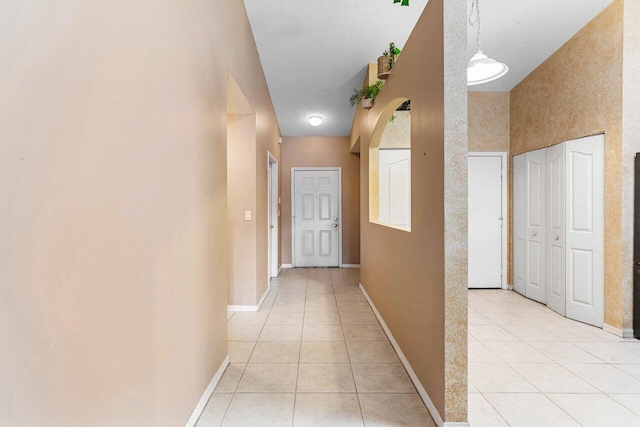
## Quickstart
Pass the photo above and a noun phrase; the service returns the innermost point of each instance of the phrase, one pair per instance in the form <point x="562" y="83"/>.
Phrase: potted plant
<point x="387" y="60"/>
<point x="367" y="95"/>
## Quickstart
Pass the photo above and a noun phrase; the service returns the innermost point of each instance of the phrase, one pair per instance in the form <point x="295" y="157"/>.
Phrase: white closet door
<point x="585" y="229"/>
<point x="555" y="238"/>
<point x="536" y="274"/>
<point x="519" y="223"/>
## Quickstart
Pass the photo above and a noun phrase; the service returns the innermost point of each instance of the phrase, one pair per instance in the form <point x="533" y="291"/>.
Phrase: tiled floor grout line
<point x="355" y="384"/>
<point x="304" y="313"/>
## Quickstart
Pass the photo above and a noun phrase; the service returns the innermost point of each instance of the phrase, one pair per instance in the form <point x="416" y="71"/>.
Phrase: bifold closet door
<point x="585" y="229"/>
<point x="519" y="223"/>
<point x="555" y="239"/>
<point x="535" y="227"/>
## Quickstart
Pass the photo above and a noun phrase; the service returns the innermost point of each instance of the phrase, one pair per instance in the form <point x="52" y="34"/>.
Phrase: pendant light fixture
<point x="481" y="68"/>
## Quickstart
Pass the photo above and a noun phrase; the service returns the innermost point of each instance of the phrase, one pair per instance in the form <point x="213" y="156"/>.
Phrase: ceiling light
<point x="315" y="120"/>
<point x="481" y="68"/>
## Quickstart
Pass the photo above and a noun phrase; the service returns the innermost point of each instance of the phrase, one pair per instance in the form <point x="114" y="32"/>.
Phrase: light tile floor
<point x="314" y="355"/>
<point x="529" y="366"/>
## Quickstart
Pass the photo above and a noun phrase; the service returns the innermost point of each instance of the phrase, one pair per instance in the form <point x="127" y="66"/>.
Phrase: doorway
<point x="274" y="215"/>
<point x="487" y="210"/>
<point x="316" y="217"/>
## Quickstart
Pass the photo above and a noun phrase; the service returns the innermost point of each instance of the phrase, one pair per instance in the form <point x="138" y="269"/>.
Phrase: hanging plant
<point x="402" y="2"/>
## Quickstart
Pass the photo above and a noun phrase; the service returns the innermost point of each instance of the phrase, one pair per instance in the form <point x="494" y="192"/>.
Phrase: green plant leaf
<point x="405" y="3"/>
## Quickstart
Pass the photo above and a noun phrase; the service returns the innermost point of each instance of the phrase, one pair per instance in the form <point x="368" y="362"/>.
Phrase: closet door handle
<point x="556" y="238"/>
<point x="534" y="234"/>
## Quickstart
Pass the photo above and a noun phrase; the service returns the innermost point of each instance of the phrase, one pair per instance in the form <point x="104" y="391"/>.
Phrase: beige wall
<point x="489" y="121"/>
<point x="318" y="151"/>
<point x="417" y="279"/>
<point x="113" y="214"/>
<point x="575" y="93"/>
<point x="241" y="196"/>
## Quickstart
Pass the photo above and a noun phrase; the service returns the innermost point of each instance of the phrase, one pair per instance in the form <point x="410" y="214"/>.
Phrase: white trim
<point x="505" y="204"/>
<point x="509" y="287"/>
<point x="280" y="269"/>
<point x="293" y="207"/>
<point x="350" y="266"/>
<point x="622" y="333"/>
<point x="250" y="307"/>
<point x="193" y="419"/>
<point x="287" y="265"/>
<point x="421" y="391"/>
<point x="452" y="424"/>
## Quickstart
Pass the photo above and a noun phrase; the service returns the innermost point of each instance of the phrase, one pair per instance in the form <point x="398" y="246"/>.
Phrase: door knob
<point x="334" y="225"/>
<point x="534" y="234"/>
<point x="273" y="226"/>
<point x="556" y="238"/>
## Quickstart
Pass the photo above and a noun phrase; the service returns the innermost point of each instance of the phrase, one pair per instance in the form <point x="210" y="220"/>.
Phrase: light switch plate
<point x="247" y="215"/>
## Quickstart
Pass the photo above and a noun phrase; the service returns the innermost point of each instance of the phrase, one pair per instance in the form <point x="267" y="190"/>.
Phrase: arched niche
<point x="390" y="167"/>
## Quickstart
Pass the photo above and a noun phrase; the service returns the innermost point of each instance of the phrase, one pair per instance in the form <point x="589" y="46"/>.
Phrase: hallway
<point x="529" y="366"/>
<point x="314" y="355"/>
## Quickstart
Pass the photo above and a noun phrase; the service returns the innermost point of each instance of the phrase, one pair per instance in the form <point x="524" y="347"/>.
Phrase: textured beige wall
<point x="488" y="121"/>
<point x="630" y="146"/>
<point x="113" y="216"/>
<point x="404" y="272"/>
<point x="575" y="93"/>
<point x="327" y="151"/>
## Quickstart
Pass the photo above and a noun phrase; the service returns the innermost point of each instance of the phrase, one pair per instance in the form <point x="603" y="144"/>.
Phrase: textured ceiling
<point x="314" y="53"/>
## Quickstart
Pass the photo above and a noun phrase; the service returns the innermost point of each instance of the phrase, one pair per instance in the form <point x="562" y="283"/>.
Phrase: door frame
<point x="293" y="207"/>
<point x="273" y="207"/>
<point x="505" y="203"/>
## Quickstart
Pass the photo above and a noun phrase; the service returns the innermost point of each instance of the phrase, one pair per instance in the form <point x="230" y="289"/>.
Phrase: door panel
<point x="519" y="223"/>
<point x="585" y="229"/>
<point x="556" y="275"/>
<point x="316" y="218"/>
<point x="485" y="222"/>
<point x="535" y="287"/>
<point x="395" y="187"/>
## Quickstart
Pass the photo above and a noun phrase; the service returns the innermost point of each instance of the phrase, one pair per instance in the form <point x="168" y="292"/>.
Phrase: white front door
<point x="316" y="218"/>
<point x="536" y="275"/>
<point x="520" y="223"/>
<point x="555" y="238"/>
<point x="585" y="229"/>
<point x="485" y="221"/>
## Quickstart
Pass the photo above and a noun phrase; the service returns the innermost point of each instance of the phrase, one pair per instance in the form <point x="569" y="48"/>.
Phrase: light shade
<point x="315" y="120"/>
<point x="482" y="69"/>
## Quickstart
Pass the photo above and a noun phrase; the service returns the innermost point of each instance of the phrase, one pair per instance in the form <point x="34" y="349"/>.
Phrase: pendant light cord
<point x="474" y="18"/>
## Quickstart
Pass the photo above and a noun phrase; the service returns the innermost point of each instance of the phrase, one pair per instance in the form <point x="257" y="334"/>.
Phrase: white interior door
<point x="520" y="223"/>
<point x="585" y="229"/>
<point x="485" y="221"/>
<point x="535" y="264"/>
<point x="555" y="238"/>
<point x="395" y="187"/>
<point x="274" y="216"/>
<point x="316" y="218"/>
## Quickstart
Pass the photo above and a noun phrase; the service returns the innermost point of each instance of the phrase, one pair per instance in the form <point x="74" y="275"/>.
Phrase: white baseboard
<point x="193" y="419"/>
<point x="250" y="307"/>
<point x="622" y="333"/>
<point x="452" y="424"/>
<point x="421" y="391"/>
<point x="509" y="287"/>
<point x="287" y="265"/>
<point x="350" y="266"/>
<point x="280" y="270"/>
